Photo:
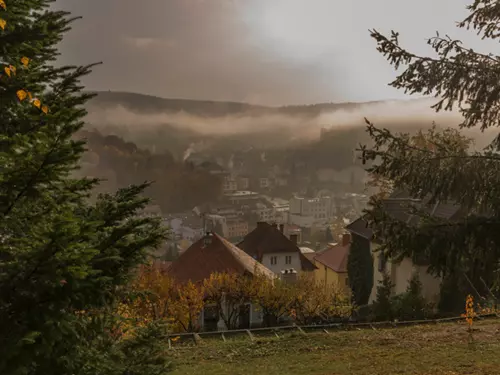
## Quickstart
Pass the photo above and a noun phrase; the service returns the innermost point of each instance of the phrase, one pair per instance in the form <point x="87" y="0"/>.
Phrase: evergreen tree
<point x="440" y="165"/>
<point x="383" y="306"/>
<point x="412" y="304"/>
<point x="59" y="254"/>
<point x="360" y="270"/>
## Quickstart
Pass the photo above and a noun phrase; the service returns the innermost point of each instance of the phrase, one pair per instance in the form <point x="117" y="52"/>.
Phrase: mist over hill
<point x="182" y="125"/>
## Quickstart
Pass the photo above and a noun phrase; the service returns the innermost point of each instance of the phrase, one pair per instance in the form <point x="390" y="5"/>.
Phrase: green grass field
<point x="442" y="349"/>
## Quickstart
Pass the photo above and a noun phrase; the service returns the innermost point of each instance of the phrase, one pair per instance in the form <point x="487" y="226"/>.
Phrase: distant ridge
<point x="142" y="103"/>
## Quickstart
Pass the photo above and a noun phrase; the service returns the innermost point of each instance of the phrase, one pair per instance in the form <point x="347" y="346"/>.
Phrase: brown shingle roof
<point x="199" y="261"/>
<point x="267" y="239"/>
<point x="360" y="227"/>
<point x="398" y="206"/>
<point x="335" y="258"/>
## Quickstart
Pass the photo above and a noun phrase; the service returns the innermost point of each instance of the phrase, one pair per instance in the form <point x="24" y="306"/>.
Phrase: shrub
<point x="411" y="305"/>
<point x="383" y="305"/>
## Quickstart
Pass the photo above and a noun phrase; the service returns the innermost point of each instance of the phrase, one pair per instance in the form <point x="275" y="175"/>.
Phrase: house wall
<point x="281" y="259"/>
<point x="377" y="275"/>
<point x="256" y="318"/>
<point x="401" y="273"/>
<point x="329" y="277"/>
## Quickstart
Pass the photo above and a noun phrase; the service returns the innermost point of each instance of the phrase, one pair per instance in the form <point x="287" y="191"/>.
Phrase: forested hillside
<point x="177" y="186"/>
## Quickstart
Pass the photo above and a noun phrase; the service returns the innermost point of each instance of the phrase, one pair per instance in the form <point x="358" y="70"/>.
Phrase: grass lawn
<point x="442" y="349"/>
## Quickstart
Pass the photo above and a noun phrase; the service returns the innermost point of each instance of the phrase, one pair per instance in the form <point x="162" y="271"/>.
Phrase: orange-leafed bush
<point x="156" y="297"/>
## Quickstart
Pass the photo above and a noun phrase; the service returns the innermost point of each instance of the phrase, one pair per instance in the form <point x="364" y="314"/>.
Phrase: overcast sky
<point x="261" y="51"/>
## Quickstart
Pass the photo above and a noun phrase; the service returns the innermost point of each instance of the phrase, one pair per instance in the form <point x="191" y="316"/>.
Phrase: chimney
<point x="294" y="238"/>
<point x="282" y="228"/>
<point x="289" y="276"/>
<point x="346" y="239"/>
<point x="207" y="240"/>
<point x="274" y="225"/>
<point x="261" y="224"/>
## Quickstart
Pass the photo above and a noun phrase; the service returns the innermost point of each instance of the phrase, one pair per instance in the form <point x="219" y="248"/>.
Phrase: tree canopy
<point x="440" y="165"/>
<point x="63" y="261"/>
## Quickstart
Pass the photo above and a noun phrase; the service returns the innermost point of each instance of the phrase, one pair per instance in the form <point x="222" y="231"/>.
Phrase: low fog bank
<point x="274" y="127"/>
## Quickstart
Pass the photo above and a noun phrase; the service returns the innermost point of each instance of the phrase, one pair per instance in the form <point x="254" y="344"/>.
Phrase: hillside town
<point x="316" y="216"/>
<point x="232" y="191"/>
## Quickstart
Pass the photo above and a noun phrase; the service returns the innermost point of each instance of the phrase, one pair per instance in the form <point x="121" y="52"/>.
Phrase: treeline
<point x="177" y="187"/>
<point x="161" y="299"/>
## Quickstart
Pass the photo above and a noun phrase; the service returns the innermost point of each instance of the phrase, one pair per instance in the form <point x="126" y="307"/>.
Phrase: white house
<point x="402" y="272"/>
<point x="268" y="244"/>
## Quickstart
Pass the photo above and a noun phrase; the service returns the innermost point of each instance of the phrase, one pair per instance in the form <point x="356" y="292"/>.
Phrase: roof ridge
<point x="241" y="256"/>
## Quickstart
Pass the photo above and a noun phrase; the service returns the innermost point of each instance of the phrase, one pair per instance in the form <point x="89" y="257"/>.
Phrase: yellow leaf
<point x="24" y="60"/>
<point x="37" y="103"/>
<point x="30" y="96"/>
<point x="21" y="94"/>
<point x="2" y="5"/>
<point x="45" y="109"/>
<point x="7" y="70"/>
<point x="3" y="23"/>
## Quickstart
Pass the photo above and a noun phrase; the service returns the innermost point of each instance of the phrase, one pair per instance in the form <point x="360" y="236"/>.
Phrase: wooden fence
<point x="325" y="328"/>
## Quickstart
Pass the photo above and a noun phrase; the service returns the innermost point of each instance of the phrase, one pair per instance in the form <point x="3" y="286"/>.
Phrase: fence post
<point x="300" y="329"/>
<point x="250" y="334"/>
<point x="196" y="338"/>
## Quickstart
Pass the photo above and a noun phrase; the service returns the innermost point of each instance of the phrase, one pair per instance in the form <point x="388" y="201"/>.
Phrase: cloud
<point x="389" y="113"/>
<point x="266" y="51"/>
<point x="145" y="43"/>
<point x="192" y="49"/>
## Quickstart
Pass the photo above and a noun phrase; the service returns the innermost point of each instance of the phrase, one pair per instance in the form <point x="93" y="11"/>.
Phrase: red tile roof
<point x="200" y="260"/>
<point x="335" y="258"/>
<point x="266" y="239"/>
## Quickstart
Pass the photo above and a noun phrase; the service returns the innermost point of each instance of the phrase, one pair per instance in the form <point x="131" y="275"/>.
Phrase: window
<point x="274" y="260"/>
<point x="288" y="259"/>
<point x="346" y="281"/>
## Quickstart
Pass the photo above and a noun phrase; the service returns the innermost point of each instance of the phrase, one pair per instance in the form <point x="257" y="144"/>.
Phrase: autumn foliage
<point x="156" y="297"/>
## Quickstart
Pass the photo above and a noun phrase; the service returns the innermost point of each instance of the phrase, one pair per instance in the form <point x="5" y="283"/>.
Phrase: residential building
<point x="213" y="167"/>
<point x="319" y="208"/>
<point x="268" y="244"/>
<point x="264" y="182"/>
<point x="332" y="265"/>
<point x="292" y="231"/>
<point x="281" y="208"/>
<point x="281" y="180"/>
<point x="229" y="184"/>
<point x="185" y="226"/>
<point x="397" y="206"/>
<point x="306" y="212"/>
<point x="242" y="197"/>
<point x="212" y="254"/>
<point x="243" y="182"/>
<point x="264" y="211"/>
<point x="227" y="211"/>
<point x="237" y="228"/>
